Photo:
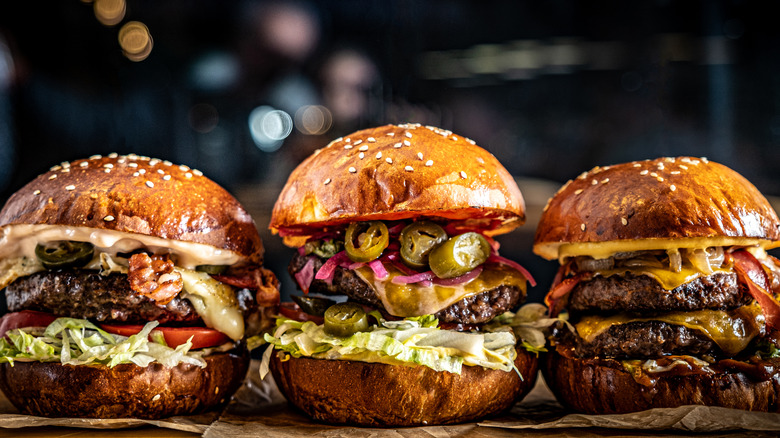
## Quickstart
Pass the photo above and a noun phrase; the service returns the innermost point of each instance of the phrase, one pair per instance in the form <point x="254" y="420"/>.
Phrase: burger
<point x="668" y="286"/>
<point x="405" y="316"/>
<point x="131" y="285"/>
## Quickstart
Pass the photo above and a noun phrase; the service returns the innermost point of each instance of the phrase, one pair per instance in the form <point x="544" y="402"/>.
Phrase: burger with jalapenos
<point x="669" y="288"/>
<point x="397" y="221"/>
<point x="131" y="285"/>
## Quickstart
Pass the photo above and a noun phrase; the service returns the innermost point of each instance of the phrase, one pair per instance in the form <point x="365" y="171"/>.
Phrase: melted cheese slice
<point x="214" y="301"/>
<point x="417" y="300"/>
<point x="669" y="280"/>
<point x="731" y="330"/>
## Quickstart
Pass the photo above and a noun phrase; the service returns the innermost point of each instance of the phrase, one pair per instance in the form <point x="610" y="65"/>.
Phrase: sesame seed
<point x="398" y="145"/>
<point x="327" y="181"/>
<point x="133" y="164"/>
<point x="408" y="134"/>
<point x="683" y="167"/>
<point x="391" y="134"/>
<point x="95" y="157"/>
<point x="188" y="175"/>
<point x="660" y="179"/>
<point x="361" y="155"/>
<point x="83" y="164"/>
<point x="660" y="166"/>
<point x="108" y="218"/>
<point x="624" y="220"/>
<point x="463" y="174"/>
<point x="582" y="227"/>
<point x="65" y="164"/>
<point x="53" y="176"/>
<point x="37" y="192"/>
<point x="348" y="140"/>
<point x="471" y="141"/>
<point x="409" y="169"/>
<point x="358" y="142"/>
<point x="65" y="170"/>
<point x="644" y="172"/>
<point x="149" y="184"/>
<point x="167" y="178"/>
<point x="161" y="172"/>
<point x="578" y="191"/>
<point x="107" y="170"/>
<point x="156" y="397"/>
<point x="453" y="138"/>
<point x="363" y="148"/>
<point x="56" y="168"/>
<point x="70" y="187"/>
<point x="142" y="171"/>
<point x="407" y="143"/>
<point x="167" y="163"/>
<point x="637" y="165"/>
<point x="594" y="182"/>
<point x="371" y="140"/>
<point x="653" y="174"/>
<point x="675" y="172"/>
<point x="153" y="162"/>
<point x="109" y="165"/>
<point x="352" y="170"/>
<point x="197" y="172"/>
<point x="136" y="173"/>
<point x="705" y="160"/>
<point x="672" y="187"/>
<point x="605" y="180"/>
<point x="389" y="160"/>
<point x="429" y="163"/>
<point x="113" y="155"/>
<point x="420" y="155"/>
<point x="349" y="146"/>
<point x="378" y="155"/>
<point x="183" y="168"/>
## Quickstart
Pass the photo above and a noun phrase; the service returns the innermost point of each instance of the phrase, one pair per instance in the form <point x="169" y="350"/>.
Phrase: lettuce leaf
<point x="79" y="342"/>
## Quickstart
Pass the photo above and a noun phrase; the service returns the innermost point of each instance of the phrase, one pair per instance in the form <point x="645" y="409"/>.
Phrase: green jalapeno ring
<point x="417" y="240"/>
<point x="315" y="306"/>
<point x="459" y="255"/>
<point x="371" y="237"/>
<point x="345" y="319"/>
<point x="64" y="254"/>
<point x="212" y="269"/>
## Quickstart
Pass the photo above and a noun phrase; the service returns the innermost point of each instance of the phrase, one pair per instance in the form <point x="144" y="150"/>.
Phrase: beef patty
<point x="641" y="293"/>
<point x="87" y="294"/>
<point x="474" y="309"/>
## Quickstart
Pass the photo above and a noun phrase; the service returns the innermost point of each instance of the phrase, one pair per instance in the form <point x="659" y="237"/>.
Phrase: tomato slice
<point x="293" y="311"/>
<point x="202" y="337"/>
<point x="25" y="318"/>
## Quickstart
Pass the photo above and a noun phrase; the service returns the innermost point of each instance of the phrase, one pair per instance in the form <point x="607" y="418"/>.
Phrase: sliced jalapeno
<point x="365" y="241"/>
<point x="315" y="306"/>
<point x="64" y="254"/>
<point x="459" y="255"/>
<point x="345" y="319"/>
<point x="417" y="241"/>
<point x="212" y="269"/>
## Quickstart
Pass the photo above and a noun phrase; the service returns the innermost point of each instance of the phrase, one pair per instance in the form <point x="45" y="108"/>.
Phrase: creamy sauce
<point x="20" y="241"/>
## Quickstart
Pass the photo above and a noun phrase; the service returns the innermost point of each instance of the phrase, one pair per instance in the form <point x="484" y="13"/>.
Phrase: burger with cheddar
<point x="669" y="289"/>
<point x="398" y="223"/>
<point x="131" y="284"/>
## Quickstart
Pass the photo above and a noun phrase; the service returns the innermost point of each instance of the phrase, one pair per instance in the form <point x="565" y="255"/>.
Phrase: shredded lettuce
<point x="79" y="342"/>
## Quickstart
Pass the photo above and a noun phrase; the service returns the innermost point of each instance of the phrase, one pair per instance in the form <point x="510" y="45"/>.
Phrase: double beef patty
<point x="643" y="296"/>
<point x="475" y="309"/>
<point x="87" y="294"/>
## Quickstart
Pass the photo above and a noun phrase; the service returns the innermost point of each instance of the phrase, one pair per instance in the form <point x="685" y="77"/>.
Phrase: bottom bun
<point x="124" y="391"/>
<point x="375" y="394"/>
<point x="597" y="386"/>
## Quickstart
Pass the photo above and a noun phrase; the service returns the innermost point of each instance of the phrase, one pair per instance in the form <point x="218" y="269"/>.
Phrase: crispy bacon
<point x="256" y="278"/>
<point x="154" y="277"/>
<point x="751" y="273"/>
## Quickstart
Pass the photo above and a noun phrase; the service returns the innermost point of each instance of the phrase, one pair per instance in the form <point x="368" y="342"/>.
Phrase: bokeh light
<point x="269" y="127"/>
<point x="135" y="40"/>
<point x="313" y="119"/>
<point x="110" y="12"/>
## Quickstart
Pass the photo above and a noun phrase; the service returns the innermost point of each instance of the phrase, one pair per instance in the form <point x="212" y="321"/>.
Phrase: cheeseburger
<point x="132" y="284"/>
<point x="669" y="288"/>
<point x="398" y="221"/>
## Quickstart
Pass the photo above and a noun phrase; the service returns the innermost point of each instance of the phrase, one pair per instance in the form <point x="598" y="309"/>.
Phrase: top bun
<point x="652" y="205"/>
<point x="397" y="172"/>
<point x="138" y="195"/>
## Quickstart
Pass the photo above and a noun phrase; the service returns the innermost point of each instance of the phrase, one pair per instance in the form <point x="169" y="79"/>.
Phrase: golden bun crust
<point x="125" y="391"/>
<point x="138" y="195"/>
<point x="586" y="386"/>
<point x="374" y="394"/>
<point x="405" y="171"/>
<point x="665" y="198"/>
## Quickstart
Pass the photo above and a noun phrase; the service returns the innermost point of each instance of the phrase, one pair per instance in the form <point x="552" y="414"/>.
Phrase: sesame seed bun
<point x="138" y="195"/>
<point x="653" y="204"/>
<point x="397" y="172"/>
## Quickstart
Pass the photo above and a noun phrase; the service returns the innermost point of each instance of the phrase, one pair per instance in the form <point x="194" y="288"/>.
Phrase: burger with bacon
<point x="397" y="221"/>
<point x="131" y="284"/>
<point x="669" y="289"/>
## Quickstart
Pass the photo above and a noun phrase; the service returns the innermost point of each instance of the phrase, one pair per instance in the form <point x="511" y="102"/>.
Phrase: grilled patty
<point x="475" y="309"/>
<point x="641" y="293"/>
<point x="87" y="294"/>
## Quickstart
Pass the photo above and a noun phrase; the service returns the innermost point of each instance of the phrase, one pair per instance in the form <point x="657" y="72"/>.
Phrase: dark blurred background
<point x="244" y="90"/>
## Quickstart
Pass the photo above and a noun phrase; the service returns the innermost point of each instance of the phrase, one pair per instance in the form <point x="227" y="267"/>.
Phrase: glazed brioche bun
<point x="397" y="172"/>
<point x="598" y="386"/>
<point x="138" y="195"/>
<point x="655" y="204"/>
<point x="375" y="394"/>
<point x="124" y="391"/>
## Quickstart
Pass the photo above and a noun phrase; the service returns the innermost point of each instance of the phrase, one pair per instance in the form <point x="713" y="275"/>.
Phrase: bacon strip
<point x="259" y="279"/>
<point x="751" y="273"/>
